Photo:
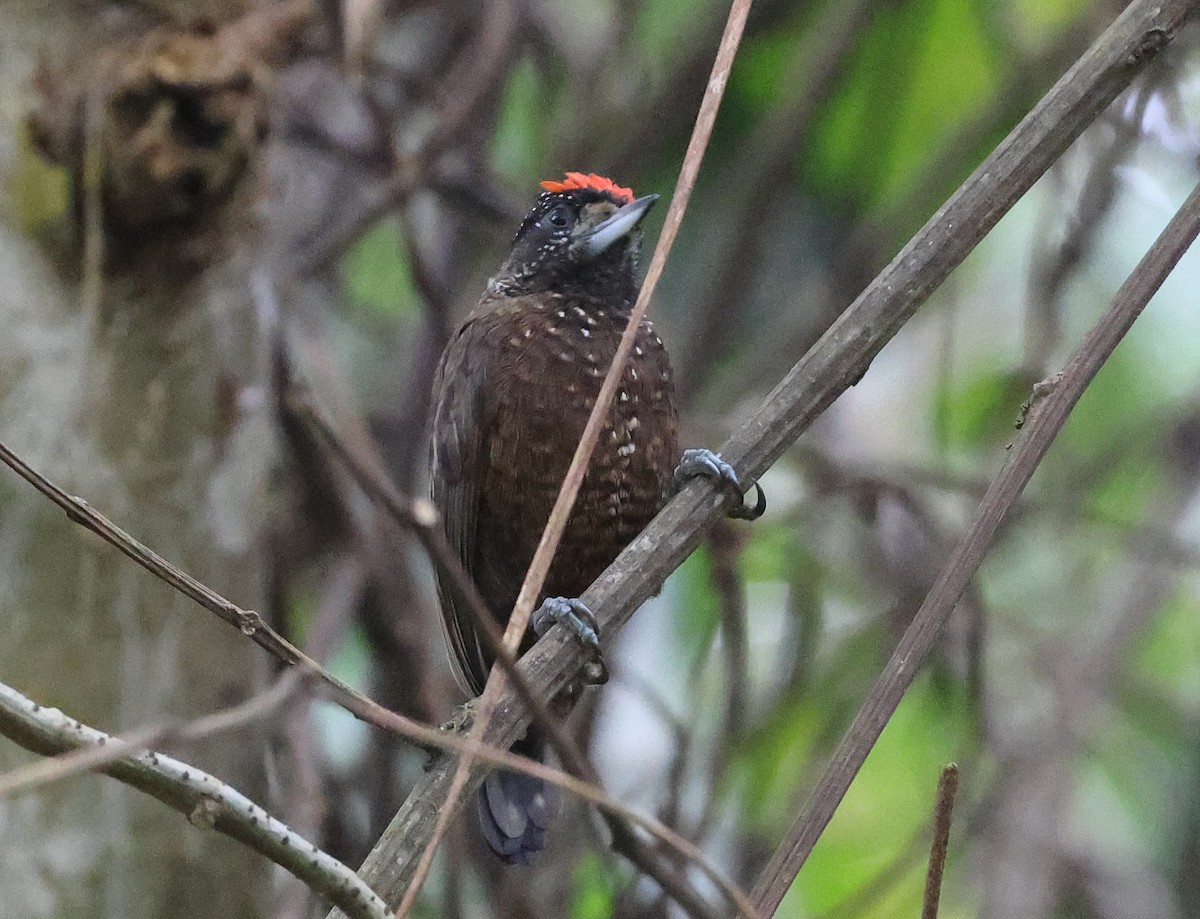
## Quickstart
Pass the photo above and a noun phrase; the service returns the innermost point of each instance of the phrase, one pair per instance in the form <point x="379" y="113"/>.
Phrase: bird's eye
<point x="559" y="217"/>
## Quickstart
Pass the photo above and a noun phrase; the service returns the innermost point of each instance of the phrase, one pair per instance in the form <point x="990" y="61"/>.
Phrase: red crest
<point x="591" y="180"/>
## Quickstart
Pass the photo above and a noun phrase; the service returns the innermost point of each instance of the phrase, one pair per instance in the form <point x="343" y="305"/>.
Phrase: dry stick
<point x="376" y="485"/>
<point x="833" y="364"/>
<point x="542" y="558"/>
<point x="559" y="515"/>
<point x="1051" y="404"/>
<point x="943" y="810"/>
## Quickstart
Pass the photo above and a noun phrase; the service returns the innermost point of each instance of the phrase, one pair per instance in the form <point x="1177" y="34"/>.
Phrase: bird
<point x="512" y="394"/>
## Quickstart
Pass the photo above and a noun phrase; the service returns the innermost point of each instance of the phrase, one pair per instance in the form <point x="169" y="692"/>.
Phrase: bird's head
<point x="582" y="237"/>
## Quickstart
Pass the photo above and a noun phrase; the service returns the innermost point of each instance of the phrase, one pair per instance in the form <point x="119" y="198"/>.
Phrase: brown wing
<point x="458" y="449"/>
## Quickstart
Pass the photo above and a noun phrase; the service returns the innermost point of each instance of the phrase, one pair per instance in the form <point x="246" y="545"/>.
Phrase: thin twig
<point x="420" y="517"/>
<point x="84" y="759"/>
<point x="1052" y="404"/>
<point x="943" y="810"/>
<point x="206" y="801"/>
<point x="249" y="622"/>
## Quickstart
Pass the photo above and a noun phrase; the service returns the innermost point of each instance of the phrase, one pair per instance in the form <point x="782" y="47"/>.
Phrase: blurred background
<point x="207" y="206"/>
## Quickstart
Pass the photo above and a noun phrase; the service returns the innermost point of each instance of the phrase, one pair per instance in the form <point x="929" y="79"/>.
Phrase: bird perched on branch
<point x="512" y="396"/>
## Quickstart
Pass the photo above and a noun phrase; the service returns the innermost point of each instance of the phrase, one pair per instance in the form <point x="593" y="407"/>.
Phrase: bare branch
<point x="1052" y="403"/>
<point x="366" y="709"/>
<point x="251" y="624"/>
<point x="206" y="801"/>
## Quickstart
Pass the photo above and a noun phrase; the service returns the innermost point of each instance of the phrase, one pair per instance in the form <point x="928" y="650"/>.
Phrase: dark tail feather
<point x="515" y="810"/>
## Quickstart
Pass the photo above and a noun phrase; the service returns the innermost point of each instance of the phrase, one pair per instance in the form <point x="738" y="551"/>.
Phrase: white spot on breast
<point x="632" y="424"/>
<point x="528" y="333"/>
<point x="637" y="351"/>
<point x="561" y="315"/>
<point x="624" y="397"/>
<point x="585" y="333"/>
<point x="628" y="450"/>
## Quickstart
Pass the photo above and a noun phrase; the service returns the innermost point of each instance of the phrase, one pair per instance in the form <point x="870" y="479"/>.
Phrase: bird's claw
<point x="578" y="620"/>
<point x="709" y="464"/>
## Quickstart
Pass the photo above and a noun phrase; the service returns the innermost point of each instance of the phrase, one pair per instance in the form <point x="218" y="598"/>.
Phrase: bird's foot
<point x="709" y="464"/>
<point x="578" y="619"/>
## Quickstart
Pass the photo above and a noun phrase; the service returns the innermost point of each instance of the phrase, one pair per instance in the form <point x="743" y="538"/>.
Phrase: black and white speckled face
<point x="547" y="253"/>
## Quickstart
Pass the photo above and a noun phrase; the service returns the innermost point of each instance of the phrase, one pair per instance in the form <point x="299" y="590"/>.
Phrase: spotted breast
<point x="529" y="369"/>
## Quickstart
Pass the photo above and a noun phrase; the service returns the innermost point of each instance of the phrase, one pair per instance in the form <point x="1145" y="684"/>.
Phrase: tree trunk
<point x="135" y="390"/>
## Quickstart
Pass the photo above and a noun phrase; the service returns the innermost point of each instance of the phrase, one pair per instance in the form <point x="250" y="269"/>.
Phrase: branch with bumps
<point x="205" y="800"/>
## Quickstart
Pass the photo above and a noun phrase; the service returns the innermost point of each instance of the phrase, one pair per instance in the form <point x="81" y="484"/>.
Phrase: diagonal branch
<point x="835" y="363"/>
<point x="1048" y="410"/>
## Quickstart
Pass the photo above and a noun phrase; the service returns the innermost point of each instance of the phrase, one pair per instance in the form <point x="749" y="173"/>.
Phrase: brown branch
<point x="768" y="152"/>
<point x="943" y="810"/>
<point x="838" y="360"/>
<point x="1051" y="405"/>
<point x="367" y="472"/>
